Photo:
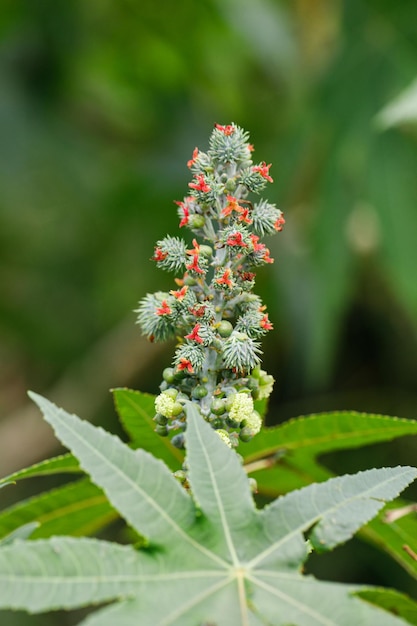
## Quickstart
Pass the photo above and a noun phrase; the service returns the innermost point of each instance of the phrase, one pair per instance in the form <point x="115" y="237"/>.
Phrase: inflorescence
<point x="213" y="312"/>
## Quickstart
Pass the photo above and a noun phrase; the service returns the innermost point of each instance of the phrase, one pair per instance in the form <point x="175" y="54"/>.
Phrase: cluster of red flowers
<point x="195" y="253"/>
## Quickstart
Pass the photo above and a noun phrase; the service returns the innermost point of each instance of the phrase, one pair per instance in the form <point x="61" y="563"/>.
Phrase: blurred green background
<point x="101" y="105"/>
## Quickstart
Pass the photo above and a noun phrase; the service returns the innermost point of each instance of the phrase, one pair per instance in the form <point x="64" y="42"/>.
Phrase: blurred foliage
<point x="101" y="105"/>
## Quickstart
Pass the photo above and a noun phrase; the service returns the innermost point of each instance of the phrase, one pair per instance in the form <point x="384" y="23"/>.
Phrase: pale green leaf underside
<point x="139" y="486"/>
<point x="203" y="568"/>
<point x="333" y="510"/>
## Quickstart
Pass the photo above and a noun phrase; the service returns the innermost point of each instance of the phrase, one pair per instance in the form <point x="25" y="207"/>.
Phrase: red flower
<point x="185" y="364"/>
<point x="244" y="217"/>
<point x="191" y="162"/>
<point x="164" y="309"/>
<point x="263" y="170"/>
<point x="256" y="246"/>
<point x="159" y="255"/>
<point x="247" y="276"/>
<point x="194" y="266"/>
<point x="185" y="216"/>
<point x="232" y="205"/>
<point x="198" y="311"/>
<point x="201" y="184"/>
<point x="265" y="323"/>
<point x="180" y="294"/>
<point x="267" y="256"/>
<point x="227" y="130"/>
<point x="225" y="279"/>
<point x="279" y="223"/>
<point x="194" y="336"/>
<point x="236" y="239"/>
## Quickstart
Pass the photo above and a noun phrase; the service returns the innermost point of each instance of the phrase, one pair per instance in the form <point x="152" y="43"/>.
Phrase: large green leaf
<point x="136" y="411"/>
<point x="284" y="457"/>
<point x="139" y="486"/>
<point x="78" y="508"/>
<point x="223" y="562"/>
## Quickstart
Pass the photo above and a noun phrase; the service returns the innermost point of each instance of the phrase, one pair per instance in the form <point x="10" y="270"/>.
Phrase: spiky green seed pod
<point x="265" y="217"/>
<point x="170" y="254"/>
<point x="241" y="353"/>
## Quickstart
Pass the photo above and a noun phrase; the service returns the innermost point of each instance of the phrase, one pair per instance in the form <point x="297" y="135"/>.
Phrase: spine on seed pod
<point x="212" y="312"/>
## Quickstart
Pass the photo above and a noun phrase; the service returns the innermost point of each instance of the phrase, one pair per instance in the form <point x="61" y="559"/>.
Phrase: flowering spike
<point x="212" y="311"/>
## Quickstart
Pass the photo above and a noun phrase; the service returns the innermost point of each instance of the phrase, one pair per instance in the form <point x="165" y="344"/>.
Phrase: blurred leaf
<point x="22" y="532"/>
<point x="402" y="110"/>
<point x="63" y="464"/>
<point x="79" y="508"/>
<point x="395" y="537"/>
<point x="392" y="601"/>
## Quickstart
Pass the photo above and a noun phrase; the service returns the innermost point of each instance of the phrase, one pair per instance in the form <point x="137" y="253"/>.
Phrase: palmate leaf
<point x="294" y="446"/>
<point x="215" y="559"/>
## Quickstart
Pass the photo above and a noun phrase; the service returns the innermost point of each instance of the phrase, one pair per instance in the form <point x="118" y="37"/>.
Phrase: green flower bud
<point x="178" y="441"/>
<point x="196" y="221"/>
<point x="253" y="385"/>
<point x="230" y="400"/>
<point x="246" y="434"/>
<point x="225" y="328"/>
<point x="161" y="430"/>
<point x="169" y="375"/>
<point x="171" y="393"/>
<point x="206" y="251"/>
<point x="199" y="392"/>
<point x="230" y="184"/>
<point x="216" y="422"/>
<point x="160" y="419"/>
<point x="218" y="406"/>
<point x="177" y="409"/>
